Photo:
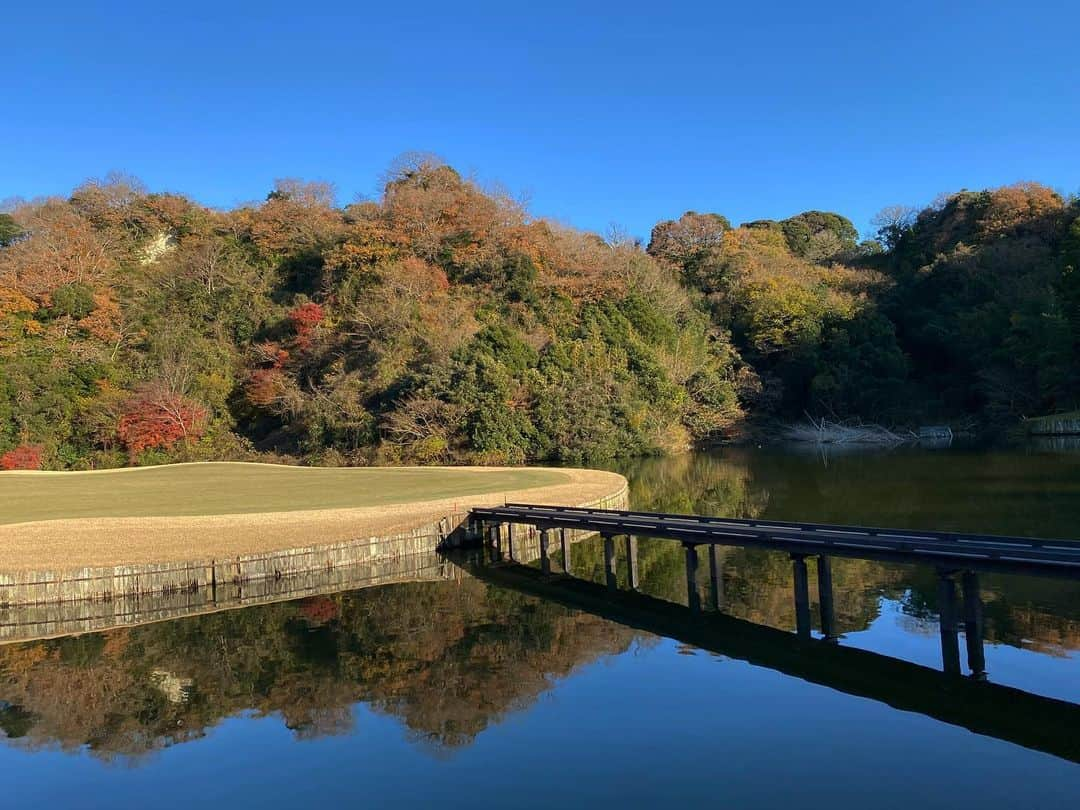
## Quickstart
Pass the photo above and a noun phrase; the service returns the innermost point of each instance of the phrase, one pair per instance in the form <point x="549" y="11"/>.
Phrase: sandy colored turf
<point x="64" y="521"/>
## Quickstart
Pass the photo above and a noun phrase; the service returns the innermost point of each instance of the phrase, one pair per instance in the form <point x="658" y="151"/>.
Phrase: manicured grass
<point x="227" y="488"/>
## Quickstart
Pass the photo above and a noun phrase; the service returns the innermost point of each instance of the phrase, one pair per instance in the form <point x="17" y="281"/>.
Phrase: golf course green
<point x="241" y="488"/>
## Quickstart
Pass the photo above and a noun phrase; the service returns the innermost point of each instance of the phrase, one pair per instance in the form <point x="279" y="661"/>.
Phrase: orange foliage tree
<point x="25" y="457"/>
<point x="63" y="248"/>
<point x="156" y="417"/>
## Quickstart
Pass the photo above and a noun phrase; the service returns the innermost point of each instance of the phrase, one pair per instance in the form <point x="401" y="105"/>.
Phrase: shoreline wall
<point x="44" y="620"/>
<point x="1065" y="425"/>
<point x="206" y="577"/>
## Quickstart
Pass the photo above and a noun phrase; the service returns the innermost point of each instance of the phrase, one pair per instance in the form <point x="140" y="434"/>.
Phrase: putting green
<point x="238" y="488"/>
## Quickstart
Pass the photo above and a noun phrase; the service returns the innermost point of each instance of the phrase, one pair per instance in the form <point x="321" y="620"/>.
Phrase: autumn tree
<point x="24" y="457"/>
<point x="297" y="216"/>
<point x="692" y="243"/>
<point x="60" y="248"/>
<point x="155" y="417"/>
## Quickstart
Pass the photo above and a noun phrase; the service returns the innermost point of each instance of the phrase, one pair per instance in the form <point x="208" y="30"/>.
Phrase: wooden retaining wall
<point x="199" y="578"/>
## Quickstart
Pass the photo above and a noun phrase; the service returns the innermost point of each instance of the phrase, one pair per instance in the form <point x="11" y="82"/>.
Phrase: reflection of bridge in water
<point x="1000" y="711"/>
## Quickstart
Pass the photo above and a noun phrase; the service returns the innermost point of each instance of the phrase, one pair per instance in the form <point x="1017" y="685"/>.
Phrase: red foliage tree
<point x="319" y="609"/>
<point x="25" y="457"/>
<point x="158" y="418"/>
<point x="306" y="317"/>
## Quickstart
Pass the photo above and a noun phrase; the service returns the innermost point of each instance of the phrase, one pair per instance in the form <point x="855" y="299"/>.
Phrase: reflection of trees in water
<point x="758" y="585"/>
<point x="449" y="659"/>
<point x="1036" y="613"/>
<point x="1004" y="492"/>
<point x="695" y="483"/>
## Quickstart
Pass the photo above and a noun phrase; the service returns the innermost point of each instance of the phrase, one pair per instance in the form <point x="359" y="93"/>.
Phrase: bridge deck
<point x="1058" y="558"/>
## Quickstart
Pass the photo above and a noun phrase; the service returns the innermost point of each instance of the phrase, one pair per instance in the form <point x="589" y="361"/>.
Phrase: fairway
<point x="238" y="488"/>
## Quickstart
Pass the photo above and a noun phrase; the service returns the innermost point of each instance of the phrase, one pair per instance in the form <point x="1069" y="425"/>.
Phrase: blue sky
<point x="599" y="113"/>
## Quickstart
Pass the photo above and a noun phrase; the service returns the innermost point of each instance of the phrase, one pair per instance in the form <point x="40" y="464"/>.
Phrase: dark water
<point x="465" y="693"/>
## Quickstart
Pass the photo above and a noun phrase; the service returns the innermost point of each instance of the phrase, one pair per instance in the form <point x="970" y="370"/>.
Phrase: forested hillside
<point x="444" y="323"/>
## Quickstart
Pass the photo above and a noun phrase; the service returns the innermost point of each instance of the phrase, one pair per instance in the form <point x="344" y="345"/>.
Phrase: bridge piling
<point x="631" y="562"/>
<point x="973" y="626"/>
<point x="950" y="643"/>
<point x="611" y="573"/>
<point x="693" y="596"/>
<point x="825" y="598"/>
<point x="716" y="577"/>
<point x="564" y="541"/>
<point x="494" y="532"/>
<point x="545" y="557"/>
<point x="802" y="596"/>
<point x="510" y="542"/>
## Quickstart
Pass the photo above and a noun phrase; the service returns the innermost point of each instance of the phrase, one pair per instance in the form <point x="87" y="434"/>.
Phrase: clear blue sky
<point x="599" y="112"/>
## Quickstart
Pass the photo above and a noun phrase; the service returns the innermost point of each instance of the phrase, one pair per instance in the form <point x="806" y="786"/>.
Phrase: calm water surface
<point x="463" y="693"/>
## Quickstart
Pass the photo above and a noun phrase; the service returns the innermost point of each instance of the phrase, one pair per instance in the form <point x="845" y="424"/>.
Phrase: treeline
<point x="443" y="323"/>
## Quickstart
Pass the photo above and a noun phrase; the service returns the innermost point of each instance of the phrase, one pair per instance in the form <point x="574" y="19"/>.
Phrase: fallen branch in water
<point x="825" y="432"/>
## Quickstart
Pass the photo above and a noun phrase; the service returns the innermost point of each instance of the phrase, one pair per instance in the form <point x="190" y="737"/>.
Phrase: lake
<point x="459" y="691"/>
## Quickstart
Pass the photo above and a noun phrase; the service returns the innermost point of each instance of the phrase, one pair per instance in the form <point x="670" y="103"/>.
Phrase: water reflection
<point x="448" y="659"/>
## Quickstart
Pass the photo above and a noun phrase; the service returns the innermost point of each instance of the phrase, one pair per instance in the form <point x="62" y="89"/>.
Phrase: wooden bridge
<point x="954" y="555"/>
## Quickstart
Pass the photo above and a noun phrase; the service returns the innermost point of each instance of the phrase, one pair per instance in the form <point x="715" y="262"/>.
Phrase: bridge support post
<point x="611" y="573"/>
<point x="631" y="562"/>
<point x="693" y="596"/>
<point x="973" y="626"/>
<point x="510" y="542"/>
<point x="564" y="541"/>
<point x="495" y="540"/>
<point x="802" y="596"/>
<point x="716" y="576"/>
<point x="545" y="557"/>
<point x="825" y="598"/>
<point x="950" y="643"/>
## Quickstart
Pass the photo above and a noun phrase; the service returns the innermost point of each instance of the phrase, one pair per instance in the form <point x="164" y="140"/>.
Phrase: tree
<point x="24" y="457"/>
<point x="61" y="248"/>
<point x="9" y="230"/>
<point x="892" y="222"/>
<point x="819" y="235"/>
<point x="692" y="243"/>
<point x="297" y="216"/>
<point x="157" y="418"/>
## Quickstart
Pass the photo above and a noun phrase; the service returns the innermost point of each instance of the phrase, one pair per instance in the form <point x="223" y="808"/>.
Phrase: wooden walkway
<point x="961" y="552"/>
<point x="959" y="558"/>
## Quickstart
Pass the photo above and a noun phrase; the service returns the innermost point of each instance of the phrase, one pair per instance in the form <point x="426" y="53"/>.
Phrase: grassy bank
<point x="234" y="488"/>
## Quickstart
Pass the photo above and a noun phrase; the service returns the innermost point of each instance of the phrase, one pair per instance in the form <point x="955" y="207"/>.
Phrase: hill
<point x="443" y="323"/>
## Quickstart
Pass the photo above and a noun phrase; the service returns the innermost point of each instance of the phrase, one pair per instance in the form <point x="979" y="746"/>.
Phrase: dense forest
<point x="444" y="323"/>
